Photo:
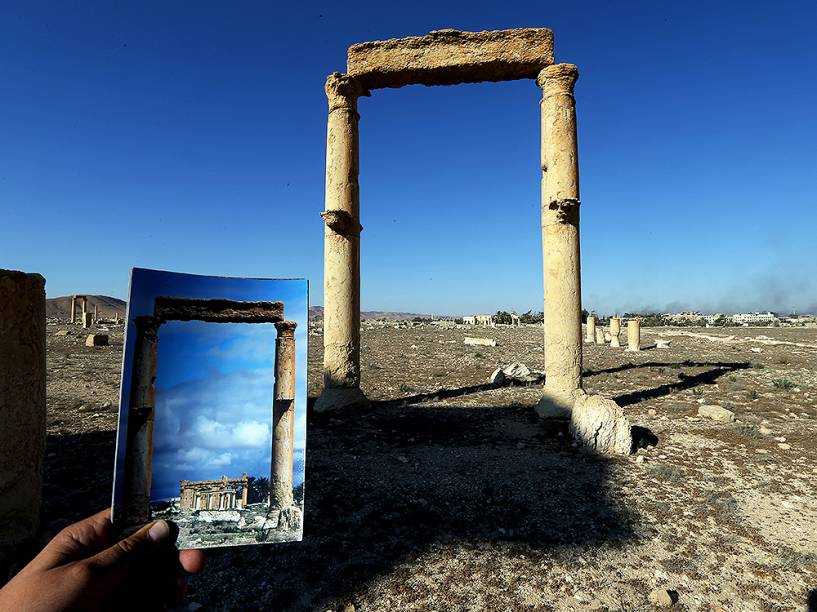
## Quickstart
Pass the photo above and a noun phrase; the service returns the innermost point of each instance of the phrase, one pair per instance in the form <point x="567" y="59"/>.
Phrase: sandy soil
<point x="449" y="495"/>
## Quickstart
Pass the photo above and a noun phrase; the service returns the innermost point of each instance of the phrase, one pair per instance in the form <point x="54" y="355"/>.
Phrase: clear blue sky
<point x="214" y="381"/>
<point x="191" y="136"/>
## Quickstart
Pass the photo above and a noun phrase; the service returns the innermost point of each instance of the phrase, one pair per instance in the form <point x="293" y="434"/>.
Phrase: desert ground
<point x="448" y="493"/>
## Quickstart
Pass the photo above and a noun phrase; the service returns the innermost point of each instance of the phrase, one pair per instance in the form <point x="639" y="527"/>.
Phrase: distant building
<point x="748" y="318"/>
<point x="683" y="317"/>
<point x="484" y="320"/>
<point x="710" y="319"/>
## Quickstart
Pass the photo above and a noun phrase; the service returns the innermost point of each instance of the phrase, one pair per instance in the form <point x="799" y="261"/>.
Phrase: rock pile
<point x="515" y="373"/>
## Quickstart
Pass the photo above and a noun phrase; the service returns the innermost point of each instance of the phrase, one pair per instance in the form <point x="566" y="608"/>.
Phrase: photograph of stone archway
<point x="450" y="57"/>
<point x="226" y="464"/>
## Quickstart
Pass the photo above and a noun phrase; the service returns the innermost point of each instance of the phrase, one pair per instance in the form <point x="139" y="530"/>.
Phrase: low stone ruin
<point x="97" y="340"/>
<point x="479" y="341"/>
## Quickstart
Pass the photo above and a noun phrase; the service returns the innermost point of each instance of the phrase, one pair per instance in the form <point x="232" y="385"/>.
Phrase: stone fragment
<point x="96" y="340"/>
<point x="662" y="344"/>
<point x="63" y="332"/>
<point x="784" y="446"/>
<point x="716" y="413"/>
<point x="599" y="335"/>
<point x="756" y="349"/>
<point x="661" y="598"/>
<point x="517" y="372"/>
<point x="599" y="424"/>
<point x="608" y="337"/>
<point x="497" y="377"/>
<point x="765" y="431"/>
<point x="447" y="57"/>
<point x="652" y="412"/>
<point x="480" y="341"/>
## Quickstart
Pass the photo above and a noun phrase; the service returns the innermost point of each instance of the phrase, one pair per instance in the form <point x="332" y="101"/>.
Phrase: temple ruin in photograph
<point x="226" y="494"/>
<point x="449" y="57"/>
<point x="222" y="494"/>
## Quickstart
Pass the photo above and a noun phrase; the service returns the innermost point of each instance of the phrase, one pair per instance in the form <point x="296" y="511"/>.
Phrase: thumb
<point x="120" y="556"/>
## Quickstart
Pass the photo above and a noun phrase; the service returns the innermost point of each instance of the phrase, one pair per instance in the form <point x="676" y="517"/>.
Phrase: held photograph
<point x="212" y="412"/>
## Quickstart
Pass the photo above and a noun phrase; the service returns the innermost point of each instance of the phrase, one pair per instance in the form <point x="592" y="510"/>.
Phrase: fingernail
<point x="159" y="531"/>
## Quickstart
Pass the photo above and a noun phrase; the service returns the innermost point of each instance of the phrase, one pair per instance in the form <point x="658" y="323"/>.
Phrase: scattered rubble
<point x="515" y="373"/>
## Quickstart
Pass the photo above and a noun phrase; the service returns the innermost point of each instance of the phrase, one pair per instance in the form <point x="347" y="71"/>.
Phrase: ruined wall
<point x="22" y="406"/>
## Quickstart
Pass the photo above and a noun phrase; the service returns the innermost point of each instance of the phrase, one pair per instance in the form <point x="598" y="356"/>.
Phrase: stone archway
<point x="141" y="405"/>
<point x="449" y="57"/>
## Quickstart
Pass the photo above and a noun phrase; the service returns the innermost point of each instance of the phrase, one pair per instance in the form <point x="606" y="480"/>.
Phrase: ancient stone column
<point x="590" y="336"/>
<point x="341" y="284"/>
<point x="633" y="335"/>
<point x="22" y="408"/>
<point x="84" y="307"/>
<point x="560" y="238"/>
<point x="139" y="449"/>
<point x="87" y="320"/>
<point x="615" y="330"/>
<point x="96" y="313"/>
<point x="600" y="335"/>
<point x="283" y="416"/>
<point x="73" y="309"/>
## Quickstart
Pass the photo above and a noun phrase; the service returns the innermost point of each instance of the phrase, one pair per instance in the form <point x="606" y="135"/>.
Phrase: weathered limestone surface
<point x="341" y="285"/>
<point x="716" y="413"/>
<point x="560" y="236"/>
<point x="447" y="57"/>
<point x="600" y="335"/>
<point x="87" y="320"/>
<point x="283" y="418"/>
<point x="633" y="335"/>
<point x="591" y="330"/>
<point x="615" y="331"/>
<point x="599" y="425"/>
<point x="217" y="311"/>
<point x="22" y="406"/>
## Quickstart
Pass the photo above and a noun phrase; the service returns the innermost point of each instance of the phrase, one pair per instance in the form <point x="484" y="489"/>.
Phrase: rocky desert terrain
<point x="448" y="493"/>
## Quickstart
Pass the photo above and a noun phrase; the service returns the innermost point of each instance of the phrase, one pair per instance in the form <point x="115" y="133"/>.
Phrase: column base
<point x="338" y="398"/>
<point x="557" y="405"/>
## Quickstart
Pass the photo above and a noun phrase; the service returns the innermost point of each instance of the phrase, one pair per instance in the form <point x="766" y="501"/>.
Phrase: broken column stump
<point x="96" y="340"/>
<point x="22" y="407"/>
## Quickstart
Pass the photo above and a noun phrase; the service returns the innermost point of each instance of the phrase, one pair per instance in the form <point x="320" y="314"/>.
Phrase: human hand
<point x="82" y="569"/>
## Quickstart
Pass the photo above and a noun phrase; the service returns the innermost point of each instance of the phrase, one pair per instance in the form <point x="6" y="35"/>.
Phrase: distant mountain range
<point x="60" y="307"/>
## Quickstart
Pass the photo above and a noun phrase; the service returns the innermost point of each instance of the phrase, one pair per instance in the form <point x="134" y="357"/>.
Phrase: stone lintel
<point x="448" y="57"/>
<point x="217" y="310"/>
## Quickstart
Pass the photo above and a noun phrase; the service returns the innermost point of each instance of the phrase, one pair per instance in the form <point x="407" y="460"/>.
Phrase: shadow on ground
<point x="684" y="381"/>
<point x="388" y="485"/>
<point x="383" y="487"/>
